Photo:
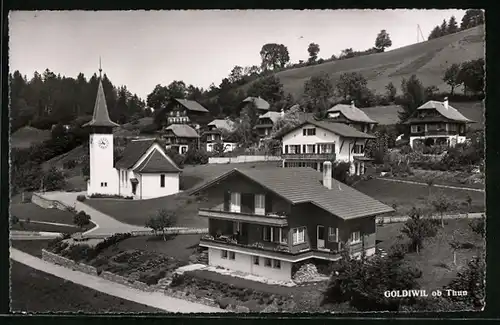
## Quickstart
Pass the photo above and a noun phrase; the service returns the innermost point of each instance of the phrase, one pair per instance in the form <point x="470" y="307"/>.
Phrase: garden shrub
<point x="152" y="277"/>
<point x="78" y="252"/>
<point x="177" y="280"/>
<point x="81" y="198"/>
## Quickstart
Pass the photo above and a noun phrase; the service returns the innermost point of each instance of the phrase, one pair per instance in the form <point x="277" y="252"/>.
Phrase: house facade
<point x="184" y="111"/>
<point x="436" y="123"/>
<point x="180" y="137"/>
<point x="260" y="104"/>
<point x="262" y="222"/>
<point x="313" y="142"/>
<point x="214" y="135"/>
<point x="351" y="116"/>
<point x="265" y="124"/>
<point x="145" y="170"/>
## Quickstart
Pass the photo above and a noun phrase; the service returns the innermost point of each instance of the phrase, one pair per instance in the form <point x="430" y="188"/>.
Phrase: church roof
<point x="101" y="114"/>
<point x="133" y="152"/>
<point x="156" y="162"/>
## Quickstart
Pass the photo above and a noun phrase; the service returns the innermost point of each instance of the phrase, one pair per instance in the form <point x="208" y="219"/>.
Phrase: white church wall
<point x="150" y="185"/>
<point x="103" y="176"/>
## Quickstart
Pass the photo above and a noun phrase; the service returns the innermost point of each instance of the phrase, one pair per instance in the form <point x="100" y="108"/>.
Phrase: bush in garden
<point x="478" y="226"/>
<point x="81" y="198"/>
<point x="14" y="220"/>
<point x="81" y="219"/>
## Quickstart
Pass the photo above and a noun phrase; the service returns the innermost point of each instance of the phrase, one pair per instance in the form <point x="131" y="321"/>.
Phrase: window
<point x="256" y="260"/>
<point x="297" y="148"/>
<point x="453" y="127"/>
<point x="286" y="149"/>
<point x="184" y="150"/>
<point x="311" y="131"/>
<point x="267" y="233"/>
<point x="417" y="128"/>
<point x="292" y="149"/>
<point x="277" y="264"/>
<point x="267" y="262"/>
<point x="236" y="226"/>
<point x="327" y="148"/>
<point x="162" y="180"/>
<point x="333" y="234"/>
<point x="304" y="148"/>
<point x="235" y="202"/>
<point x="358" y="148"/>
<point x="223" y="254"/>
<point x="104" y="184"/>
<point x="311" y="148"/>
<point x="304" y="132"/>
<point x="232" y="255"/>
<point x="355" y="237"/>
<point x="260" y="204"/>
<point x="298" y="235"/>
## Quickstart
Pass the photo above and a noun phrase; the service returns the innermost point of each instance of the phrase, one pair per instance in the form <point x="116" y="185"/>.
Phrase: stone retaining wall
<point x="66" y="262"/>
<point x="242" y="159"/>
<point x="46" y="203"/>
<point x="173" y="231"/>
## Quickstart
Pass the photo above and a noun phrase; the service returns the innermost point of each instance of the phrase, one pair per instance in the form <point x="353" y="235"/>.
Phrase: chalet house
<point x="183" y="111"/>
<point x="313" y="142"/>
<point x="214" y="135"/>
<point x="437" y="123"/>
<point x="263" y="221"/>
<point x="265" y="124"/>
<point x="180" y="137"/>
<point x="352" y="116"/>
<point x="261" y="105"/>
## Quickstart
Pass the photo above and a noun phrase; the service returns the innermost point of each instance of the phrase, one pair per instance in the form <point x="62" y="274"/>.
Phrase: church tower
<point x="103" y="175"/>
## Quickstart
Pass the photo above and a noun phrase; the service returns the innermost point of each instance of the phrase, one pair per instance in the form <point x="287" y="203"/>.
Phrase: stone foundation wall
<point x="46" y="203"/>
<point x="66" y="262"/>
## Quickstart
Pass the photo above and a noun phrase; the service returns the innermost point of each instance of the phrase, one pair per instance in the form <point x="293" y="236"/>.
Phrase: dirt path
<point x="153" y="299"/>
<point x="434" y="185"/>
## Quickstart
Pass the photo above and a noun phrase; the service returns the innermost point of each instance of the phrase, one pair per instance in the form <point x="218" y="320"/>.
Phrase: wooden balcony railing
<point x="267" y="219"/>
<point x="311" y="156"/>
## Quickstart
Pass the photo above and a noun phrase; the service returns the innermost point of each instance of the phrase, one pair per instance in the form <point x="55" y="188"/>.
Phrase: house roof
<point x="191" y="105"/>
<point x="183" y="131"/>
<point x="222" y="124"/>
<point x="449" y="112"/>
<point x="133" y="152"/>
<point x="337" y="128"/>
<point x="303" y="185"/>
<point x="101" y="114"/>
<point x="258" y="102"/>
<point x="273" y="116"/>
<point x="156" y="162"/>
<point x="352" y="113"/>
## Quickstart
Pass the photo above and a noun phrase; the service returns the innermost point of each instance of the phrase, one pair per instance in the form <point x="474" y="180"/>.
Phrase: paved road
<point x="153" y="299"/>
<point x="476" y="215"/>
<point x="104" y="223"/>
<point x="434" y="185"/>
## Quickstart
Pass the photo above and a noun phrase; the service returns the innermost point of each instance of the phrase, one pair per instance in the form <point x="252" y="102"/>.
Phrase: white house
<point x="437" y="123"/>
<point x="214" y="135"/>
<point x="144" y="172"/>
<point x="352" y="116"/>
<point x="313" y="142"/>
<point x="265" y="124"/>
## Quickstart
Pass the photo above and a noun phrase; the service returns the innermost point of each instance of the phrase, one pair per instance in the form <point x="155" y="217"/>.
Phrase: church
<point x="144" y="172"/>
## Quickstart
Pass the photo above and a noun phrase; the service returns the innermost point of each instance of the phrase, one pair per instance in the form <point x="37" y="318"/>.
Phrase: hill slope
<point x="26" y="136"/>
<point x="428" y="60"/>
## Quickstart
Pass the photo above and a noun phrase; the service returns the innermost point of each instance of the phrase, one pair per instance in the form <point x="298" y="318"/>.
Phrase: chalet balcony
<point x="435" y="133"/>
<point x="269" y="219"/>
<point x="309" y="156"/>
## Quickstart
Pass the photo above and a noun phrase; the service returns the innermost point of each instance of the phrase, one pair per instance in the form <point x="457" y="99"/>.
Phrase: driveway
<point x="106" y="225"/>
<point x="153" y="299"/>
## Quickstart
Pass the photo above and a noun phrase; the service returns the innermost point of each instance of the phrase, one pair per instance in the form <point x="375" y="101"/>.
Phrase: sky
<point x="140" y="49"/>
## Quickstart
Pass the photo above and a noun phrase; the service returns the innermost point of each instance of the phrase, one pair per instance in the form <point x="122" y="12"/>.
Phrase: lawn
<point x="436" y="258"/>
<point x="32" y="247"/>
<point x="136" y="212"/>
<point x="405" y="195"/>
<point x="46" y="228"/>
<point x="451" y="178"/>
<point x="36" y="213"/>
<point x="36" y="291"/>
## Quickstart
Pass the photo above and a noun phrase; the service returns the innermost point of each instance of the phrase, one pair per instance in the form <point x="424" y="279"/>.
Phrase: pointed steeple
<point x="100" y="117"/>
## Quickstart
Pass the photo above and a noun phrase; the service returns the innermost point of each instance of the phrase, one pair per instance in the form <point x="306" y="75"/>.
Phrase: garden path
<point x="153" y="299"/>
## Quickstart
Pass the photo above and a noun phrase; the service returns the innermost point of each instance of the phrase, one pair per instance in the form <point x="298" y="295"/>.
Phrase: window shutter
<point x="227" y="199"/>
<point x="268" y="203"/>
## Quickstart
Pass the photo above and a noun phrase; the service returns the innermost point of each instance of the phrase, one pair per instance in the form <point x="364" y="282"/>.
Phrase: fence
<point x="242" y="159"/>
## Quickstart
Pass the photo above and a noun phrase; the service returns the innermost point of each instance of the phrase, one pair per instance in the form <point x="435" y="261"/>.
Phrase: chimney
<point x="445" y="103"/>
<point x="327" y="174"/>
<point x="352" y="104"/>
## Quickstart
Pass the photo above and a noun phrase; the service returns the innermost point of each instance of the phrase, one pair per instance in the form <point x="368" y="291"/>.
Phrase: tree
<point x="352" y="85"/>
<point x="478" y="226"/>
<point x="452" y="25"/>
<point x="472" y="18"/>
<point x="274" y="56"/>
<point x="382" y="41"/>
<point x="435" y="33"/>
<point x="451" y="76"/>
<point x="442" y="204"/>
<point x="346" y="54"/>
<point x="413" y="96"/>
<point x="290" y="119"/>
<point x="391" y="92"/>
<point x="313" y="50"/>
<point x="252" y="71"/>
<point x="268" y="88"/>
<point x="161" y="221"/>
<point x="470" y="279"/>
<point x="317" y="92"/>
<point x="417" y="229"/>
<point x="81" y="219"/>
<point x="245" y="124"/>
<point x="53" y="180"/>
<point x="236" y="74"/>
<point x="444" y="28"/>
<point x="472" y="75"/>
<point x="360" y="282"/>
<point x="219" y="149"/>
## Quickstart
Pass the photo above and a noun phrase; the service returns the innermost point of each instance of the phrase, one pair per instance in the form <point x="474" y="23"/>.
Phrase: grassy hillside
<point x="428" y="60"/>
<point x="26" y="136"/>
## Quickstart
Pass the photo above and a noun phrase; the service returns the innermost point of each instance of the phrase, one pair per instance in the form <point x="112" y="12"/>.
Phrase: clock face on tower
<point x="103" y="143"/>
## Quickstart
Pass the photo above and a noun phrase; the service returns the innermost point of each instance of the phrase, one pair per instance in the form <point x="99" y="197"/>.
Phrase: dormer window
<point x="309" y="131"/>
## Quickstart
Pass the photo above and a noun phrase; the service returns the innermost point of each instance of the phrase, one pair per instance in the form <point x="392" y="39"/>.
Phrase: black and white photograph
<point x="247" y="161"/>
